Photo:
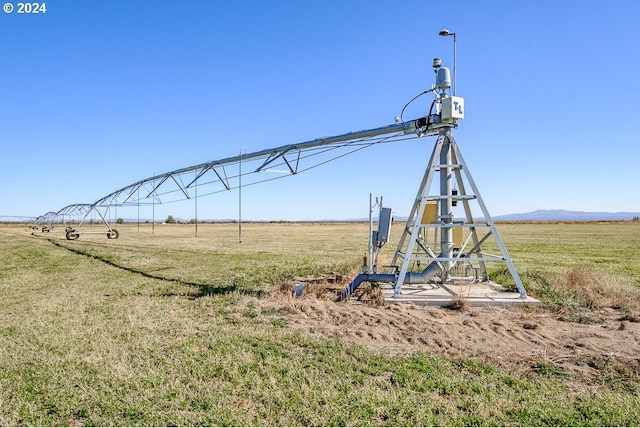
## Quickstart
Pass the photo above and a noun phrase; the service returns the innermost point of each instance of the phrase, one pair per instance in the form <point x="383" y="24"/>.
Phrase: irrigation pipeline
<point x="181" y="184"/>
<point x="429" y="272"/>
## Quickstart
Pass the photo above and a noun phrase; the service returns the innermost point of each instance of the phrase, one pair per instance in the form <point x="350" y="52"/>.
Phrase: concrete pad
<point x="475" y="294"/>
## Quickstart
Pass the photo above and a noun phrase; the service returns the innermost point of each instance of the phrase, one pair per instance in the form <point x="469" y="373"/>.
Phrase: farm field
<point x="167" y="328"/>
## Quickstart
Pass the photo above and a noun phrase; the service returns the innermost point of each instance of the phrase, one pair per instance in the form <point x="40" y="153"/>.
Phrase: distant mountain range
<point x="564" y="215"/>
<point x="550" y="215"/>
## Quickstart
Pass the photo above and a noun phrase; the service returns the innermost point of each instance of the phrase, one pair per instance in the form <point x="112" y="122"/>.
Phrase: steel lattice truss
<point x="245" y="169"/>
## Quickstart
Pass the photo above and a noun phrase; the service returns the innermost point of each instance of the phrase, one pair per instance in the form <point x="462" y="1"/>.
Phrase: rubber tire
<point x="113" y="234"/>
<point x="72" y="235"/>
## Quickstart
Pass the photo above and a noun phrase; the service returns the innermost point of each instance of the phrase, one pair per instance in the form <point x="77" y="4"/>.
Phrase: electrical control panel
<point x="452" y="109"/>
<point x="384" y="225"/>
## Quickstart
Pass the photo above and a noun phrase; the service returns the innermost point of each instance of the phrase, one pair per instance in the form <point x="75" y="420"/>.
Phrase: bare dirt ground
<point x="515" y="338"/>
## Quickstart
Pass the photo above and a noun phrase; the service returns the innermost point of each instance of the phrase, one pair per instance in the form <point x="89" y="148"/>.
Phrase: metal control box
<point x="457" y="238"/>
<point x="430" y="214"/>
<point x="452" y="109"/>
<point x="384" y="225"/>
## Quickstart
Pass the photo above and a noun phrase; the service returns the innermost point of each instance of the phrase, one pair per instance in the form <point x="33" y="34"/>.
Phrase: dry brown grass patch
<point x="325" y="287"/>
<point x="600" y="290"/>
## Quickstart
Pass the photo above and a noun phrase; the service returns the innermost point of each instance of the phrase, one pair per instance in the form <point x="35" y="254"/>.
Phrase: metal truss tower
<point x="458" y="253"/>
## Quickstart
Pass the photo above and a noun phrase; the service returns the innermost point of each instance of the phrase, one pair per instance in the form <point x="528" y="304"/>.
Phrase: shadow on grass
<point x="203" y="289"/>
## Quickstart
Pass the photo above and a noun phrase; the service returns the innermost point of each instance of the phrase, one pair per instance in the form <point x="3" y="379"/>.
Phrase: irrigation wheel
<point x="72" y="234"/>
<point x="112" y="234"/>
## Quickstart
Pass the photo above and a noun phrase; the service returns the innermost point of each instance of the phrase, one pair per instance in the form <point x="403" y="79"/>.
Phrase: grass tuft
<point x="458" y="303"/>
<point x="580" y="288"/>
<point x="600" y="290"/>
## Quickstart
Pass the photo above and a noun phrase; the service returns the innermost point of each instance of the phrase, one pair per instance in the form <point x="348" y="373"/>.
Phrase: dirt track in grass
<point x="589" y="352"/>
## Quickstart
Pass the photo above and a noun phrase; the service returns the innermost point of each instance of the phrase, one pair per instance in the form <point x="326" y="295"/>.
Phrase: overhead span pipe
<point x="407" y="127"/>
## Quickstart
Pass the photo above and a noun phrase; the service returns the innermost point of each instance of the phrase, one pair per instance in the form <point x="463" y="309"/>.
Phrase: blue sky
<point x="99" y="94"/>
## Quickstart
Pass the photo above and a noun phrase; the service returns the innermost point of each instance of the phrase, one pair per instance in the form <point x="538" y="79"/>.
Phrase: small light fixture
<point x="444" y="33"/>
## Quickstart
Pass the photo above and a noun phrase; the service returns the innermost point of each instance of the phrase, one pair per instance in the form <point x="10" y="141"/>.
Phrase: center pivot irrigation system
<point x="435" y="245"/>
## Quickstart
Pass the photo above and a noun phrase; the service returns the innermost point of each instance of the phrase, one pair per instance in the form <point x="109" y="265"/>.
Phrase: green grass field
<point x="148" y="330"/>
